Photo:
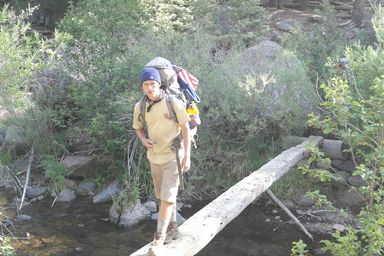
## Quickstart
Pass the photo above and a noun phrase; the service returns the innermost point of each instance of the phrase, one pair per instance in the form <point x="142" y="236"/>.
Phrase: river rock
<point x="65" y="196"/>
<point x="179" y="219"/>
<point x="306" y="201"/>
<point x="339" y="227"/>
<point x="151" y="206"/>
<point x="36" y="192"/>
<point x="130" y="215"/>
<point x="345" y="165"/>
<point x="23" y="217"/>
<point x="106" y="195"/>
<point x="351" y="198"/>
<point x="78" y="166"/>
<point x="288" y="203"/>
<point x="85" y="188"/>
<point x="286" y="25"/>
<point x="70" y="184"/>
<point x="356" y="181"/>
<point x="19" y="165"/>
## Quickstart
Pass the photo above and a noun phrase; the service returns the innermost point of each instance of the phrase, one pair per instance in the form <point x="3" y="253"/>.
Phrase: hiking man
<point x="157" y="135"/>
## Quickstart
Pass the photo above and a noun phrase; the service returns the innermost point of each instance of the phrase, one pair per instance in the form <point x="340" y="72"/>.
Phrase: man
<point x="158" y="136"/>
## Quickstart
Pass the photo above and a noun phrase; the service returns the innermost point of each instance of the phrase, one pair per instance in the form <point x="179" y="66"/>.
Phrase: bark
<point x="202" y="227"/>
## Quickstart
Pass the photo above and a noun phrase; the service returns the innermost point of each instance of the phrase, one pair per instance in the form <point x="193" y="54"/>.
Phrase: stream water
<point x="77" y="228"/>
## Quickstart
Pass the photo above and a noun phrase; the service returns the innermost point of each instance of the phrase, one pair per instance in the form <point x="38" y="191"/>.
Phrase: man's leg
<point x="165" y="213"/>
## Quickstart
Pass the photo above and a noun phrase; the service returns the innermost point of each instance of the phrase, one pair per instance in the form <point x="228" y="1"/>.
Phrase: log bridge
<point x="202" y="227"/>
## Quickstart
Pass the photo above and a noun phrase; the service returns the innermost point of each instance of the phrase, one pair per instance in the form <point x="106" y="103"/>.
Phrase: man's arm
<point x="186" y="162"/>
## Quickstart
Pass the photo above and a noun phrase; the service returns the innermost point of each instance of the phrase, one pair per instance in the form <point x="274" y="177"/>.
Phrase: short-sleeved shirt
<point x="161" y="128"/>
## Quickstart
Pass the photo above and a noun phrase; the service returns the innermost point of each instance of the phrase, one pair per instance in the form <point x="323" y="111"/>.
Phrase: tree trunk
<point x="203" y="226"/>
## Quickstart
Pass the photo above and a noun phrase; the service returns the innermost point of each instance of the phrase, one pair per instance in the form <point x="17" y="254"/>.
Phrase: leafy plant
<point x="299" y="248"/>
<point x="6" y="248"/>
<point x="55" y="172"/>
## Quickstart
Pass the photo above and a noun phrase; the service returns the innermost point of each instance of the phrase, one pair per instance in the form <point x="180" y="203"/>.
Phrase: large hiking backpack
<point x="176" y="82"/>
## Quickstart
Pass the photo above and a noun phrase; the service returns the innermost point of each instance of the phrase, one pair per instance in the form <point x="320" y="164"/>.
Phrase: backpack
<point x="176" y="82"/>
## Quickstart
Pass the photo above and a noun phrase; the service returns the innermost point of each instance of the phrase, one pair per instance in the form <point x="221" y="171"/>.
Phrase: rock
<point x="179" y="219"/>
<point x="85" y="188"/>
<point x="344" y="165"/>
<point x="36" y="192"/>
<point x="288" y="203"/>
<point x="106" y="195"/>
<point x="151" y="206"/>
<point x="23" y="217"/>
<point x="351" y="198"/>
<point x="78" y="166"/>
<point x="277" y="217"/>
<point x="19" y="165"/>
<point x="339" y="227"/>
<point x="70" y="184"/>
<point x="65" y="196"/>
<point x="265" y="67"/>
<point x="317" y="18"/>
<point x="2" y="137"/>
<point x="14" y="141"/>
<point x="286" y="25"/>
<point x="275" y="211"/>
<point x="6" y="223"/>
<point x="356" y="181"/>
<point x="267" y="220"/>
<point x="319" y="252"/>
<point x="130" y="215"/>
<point x="306" y="201"/>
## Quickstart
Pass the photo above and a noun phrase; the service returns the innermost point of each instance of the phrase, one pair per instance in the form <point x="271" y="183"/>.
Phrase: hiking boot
<point x="157" y="244"/>
<point x="173" y="232"/>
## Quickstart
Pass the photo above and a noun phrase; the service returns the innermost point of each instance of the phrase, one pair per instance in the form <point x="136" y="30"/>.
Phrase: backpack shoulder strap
<point x="171" y="108"/>
<point x="141" y="116"/>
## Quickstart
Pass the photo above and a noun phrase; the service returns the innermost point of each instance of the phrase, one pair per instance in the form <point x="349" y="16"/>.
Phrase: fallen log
<point x="203" y="226"/>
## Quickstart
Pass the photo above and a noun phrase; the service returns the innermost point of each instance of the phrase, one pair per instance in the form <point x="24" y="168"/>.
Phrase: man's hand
<point x="148" y="143"/>
<point x="185" y="164"/>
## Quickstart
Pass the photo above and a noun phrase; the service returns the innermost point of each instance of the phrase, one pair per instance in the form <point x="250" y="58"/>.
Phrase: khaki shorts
<point x="166" y="181"/>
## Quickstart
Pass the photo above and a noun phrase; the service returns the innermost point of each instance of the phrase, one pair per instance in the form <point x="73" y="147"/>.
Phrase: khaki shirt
<point x="161" y="129"/>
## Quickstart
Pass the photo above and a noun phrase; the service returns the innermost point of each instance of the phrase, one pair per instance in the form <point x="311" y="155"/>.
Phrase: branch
<point x="27" y="178"/>
<point x="274" y="198"/>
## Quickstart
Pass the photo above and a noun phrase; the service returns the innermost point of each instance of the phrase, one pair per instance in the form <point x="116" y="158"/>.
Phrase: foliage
<point x="317" y="45"/>
<point x="6" y="248"/>
<point x="55" y="172"/>
<point x="299" y="248"/>
<point x="167" y="16"/>
<point x="352" y="105"/>
<point x="234" y="23"/>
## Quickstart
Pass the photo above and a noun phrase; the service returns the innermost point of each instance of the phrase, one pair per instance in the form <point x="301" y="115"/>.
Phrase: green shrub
<point x="352" y="112"/>
<point x="55" y="172"/>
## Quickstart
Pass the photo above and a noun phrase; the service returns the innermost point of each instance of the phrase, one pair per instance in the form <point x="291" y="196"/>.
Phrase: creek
<point x="78" y="228"/>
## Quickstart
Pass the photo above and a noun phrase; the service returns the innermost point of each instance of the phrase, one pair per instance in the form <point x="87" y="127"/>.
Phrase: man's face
<point x="152" y="89"/>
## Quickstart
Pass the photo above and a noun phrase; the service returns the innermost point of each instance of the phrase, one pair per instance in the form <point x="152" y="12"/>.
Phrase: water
<point x="77" y="228"/>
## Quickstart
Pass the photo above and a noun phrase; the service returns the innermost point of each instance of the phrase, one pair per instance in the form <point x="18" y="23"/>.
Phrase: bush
<point x="351" y="113"/>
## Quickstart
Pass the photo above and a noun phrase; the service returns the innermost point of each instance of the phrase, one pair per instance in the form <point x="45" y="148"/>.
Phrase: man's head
<point x="150" y="74"/>
<point x="150" y="82"/>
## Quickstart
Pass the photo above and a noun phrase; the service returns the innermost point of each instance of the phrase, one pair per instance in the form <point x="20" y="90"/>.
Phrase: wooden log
<point x="334" y="149"/>
<point x="202" y="227"/>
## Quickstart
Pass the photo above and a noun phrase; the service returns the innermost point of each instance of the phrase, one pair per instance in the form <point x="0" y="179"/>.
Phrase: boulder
<point x="179" y="219"/>
<point x="356" y="181"/>
<point x="344" y="165"/>
<point x="306" y="201"/>
<point x="85" y="188"/>
<point x="36" y="192"/>
<point x="151" y="206"/>
<point x="14" y="141"/>
<point x="280" y="80"/>
<point x="130" y="215"/>
<point x="106" y="195"/>
<point x="65" y="196"/>
<point x="78" y="166"/>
